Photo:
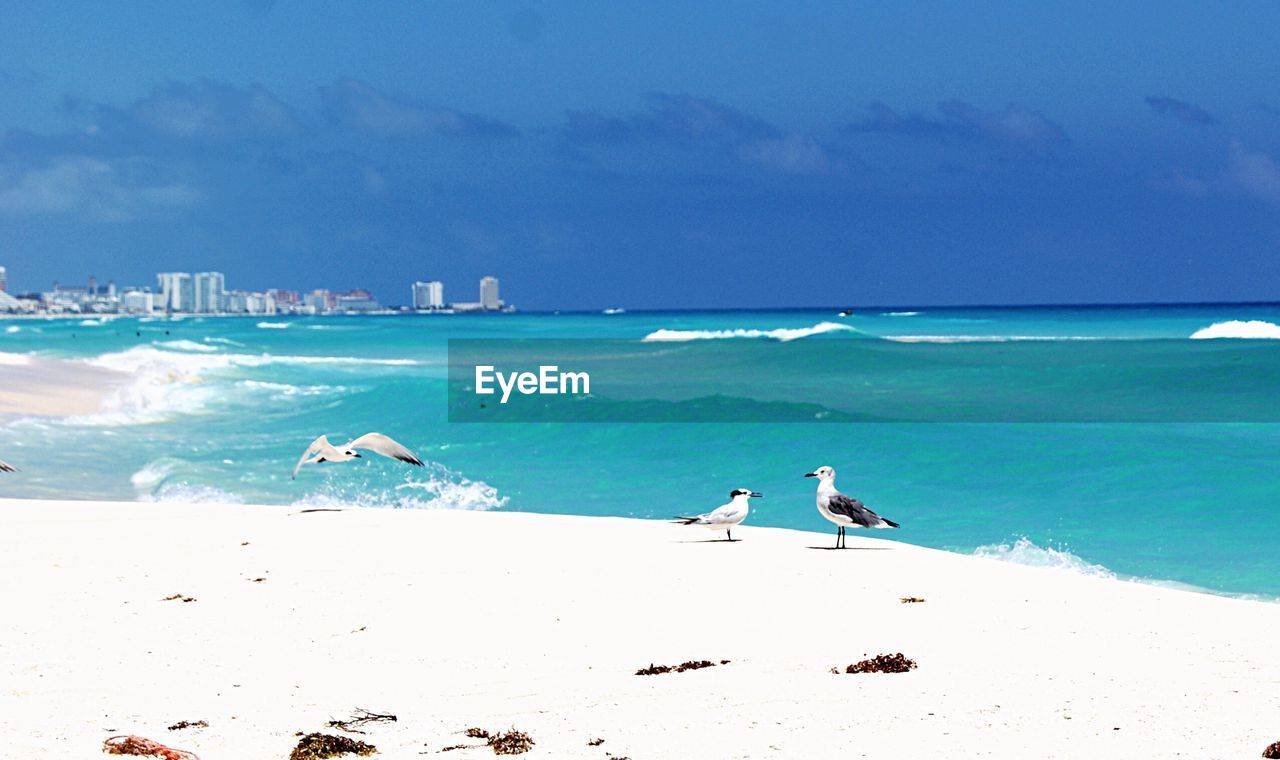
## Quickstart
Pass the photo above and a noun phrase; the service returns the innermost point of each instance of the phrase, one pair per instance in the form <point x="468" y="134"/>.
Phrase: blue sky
<point x="649" y="155"/>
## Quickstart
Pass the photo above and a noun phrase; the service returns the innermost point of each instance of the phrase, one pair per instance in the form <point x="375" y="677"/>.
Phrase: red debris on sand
<point x="144" y="747"/>
<point x="1273" y="751"/>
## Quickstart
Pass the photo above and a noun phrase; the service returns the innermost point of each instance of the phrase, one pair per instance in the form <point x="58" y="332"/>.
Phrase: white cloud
<point x="793" y="154"/>
<point x="91" y="188"/>
<point x="1254" y="172"/>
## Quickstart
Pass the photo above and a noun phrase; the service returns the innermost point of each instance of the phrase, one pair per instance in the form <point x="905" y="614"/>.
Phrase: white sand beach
<point x="452" y="619"/>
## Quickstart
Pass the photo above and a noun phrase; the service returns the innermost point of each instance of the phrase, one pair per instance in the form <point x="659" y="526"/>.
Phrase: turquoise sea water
<point x="220" y="408"/>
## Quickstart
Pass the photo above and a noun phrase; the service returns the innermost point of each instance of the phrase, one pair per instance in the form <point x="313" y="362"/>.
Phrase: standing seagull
<point x="6" y="467"/>
<point x="725" y="517"/>
<point x="321" y="450"/>
<point x="844" y="511"/>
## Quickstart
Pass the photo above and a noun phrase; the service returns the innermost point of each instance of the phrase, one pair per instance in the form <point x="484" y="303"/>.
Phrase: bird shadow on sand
<point x="713" y="541"/>
<point x="850" y="548"/>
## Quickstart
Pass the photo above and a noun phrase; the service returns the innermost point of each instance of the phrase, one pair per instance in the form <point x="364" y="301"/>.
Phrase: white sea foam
<point x="284" y="390"/>
<point x="268" y="359"/>
<point x="274" y="325"/>
<point x="1254" y="328"/>
<point x="14" y="360"/>
<point x="782" y="334"/>
<point x="11" y="329"/>
<point x="186" y="345"/>
<point x="1024" y="552"/>
<point x="900" y="314"/>
<point x="442" y="489"/>
<point x="161" y="383"/>
<point x="463" y="494"/>
<point x="151" y="475"/>
<point x="161" y="481"/>
<point x="164" y="382"/>
<point x="92" y="322"/>
<point x="223" y="341"/>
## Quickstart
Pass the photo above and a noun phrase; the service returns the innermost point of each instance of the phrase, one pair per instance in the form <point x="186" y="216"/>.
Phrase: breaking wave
<point x="163" y="382"/>
<point x="162" y="481"/>
<point x="782" y="334"/>
<point x="443" y="489"/>
<point x="186" y="345"/>
<point x="275" y="325"/>
<point x="285" y="390"/>
<point x="900" y="314"/>
<point x="1024" y="552"/>
<point x="1235" y="328"/>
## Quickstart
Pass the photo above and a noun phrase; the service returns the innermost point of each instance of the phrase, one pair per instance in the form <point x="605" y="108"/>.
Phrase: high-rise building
<point x="4" y="281"/>
<point x="489" y="294"/>
<point x="210" y="288"/>
<point x="428" y="295"/>
<point x="177" y="291"/>
<point x="318" y="301"/>
<point x="138" y="301"/>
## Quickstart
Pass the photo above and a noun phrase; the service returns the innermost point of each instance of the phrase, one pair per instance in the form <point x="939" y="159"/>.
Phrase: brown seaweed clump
<point x="476" y="733"/>
<point x="189" y="724"/>
<point x="911" y="600"/>
<point x="322" y="746"/>
<point x="595" y="742"/>
<point x="654" y="670"/>
<point x="883" y="663"/>
<point x="1273" y="751"/>
<point x="511" y="743"/>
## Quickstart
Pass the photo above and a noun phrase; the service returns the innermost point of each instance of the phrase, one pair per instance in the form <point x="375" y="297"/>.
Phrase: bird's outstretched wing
<point x="6" y="467"/>
<point x="386" y="446"/>
<point x="312" y="450"/>
<point x="857" y="511"/>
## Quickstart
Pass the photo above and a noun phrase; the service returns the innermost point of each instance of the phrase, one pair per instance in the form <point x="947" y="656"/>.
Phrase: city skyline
<point x="206" y="293"/>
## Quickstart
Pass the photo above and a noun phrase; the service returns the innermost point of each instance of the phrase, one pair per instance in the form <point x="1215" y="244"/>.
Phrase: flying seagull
<point x="321" y="450"/>
<point x="844" y="511"/>
<point x="6" y="467"/>
<point x="726" y="516"/>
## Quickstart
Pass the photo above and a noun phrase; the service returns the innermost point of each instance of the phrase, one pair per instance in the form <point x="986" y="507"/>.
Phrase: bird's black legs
<point x="839" y="533"/>
<point x="729" y="533"/>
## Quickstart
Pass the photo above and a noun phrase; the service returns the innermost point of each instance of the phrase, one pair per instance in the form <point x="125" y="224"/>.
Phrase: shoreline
<point x="451" y="619"/>
<point x="34" y="386"/>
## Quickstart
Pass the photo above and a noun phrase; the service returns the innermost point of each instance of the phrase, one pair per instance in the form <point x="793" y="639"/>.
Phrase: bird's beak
<point x="756" y="495"/>
<point x="358" y="456"/>
<point x="811" y="474"/>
